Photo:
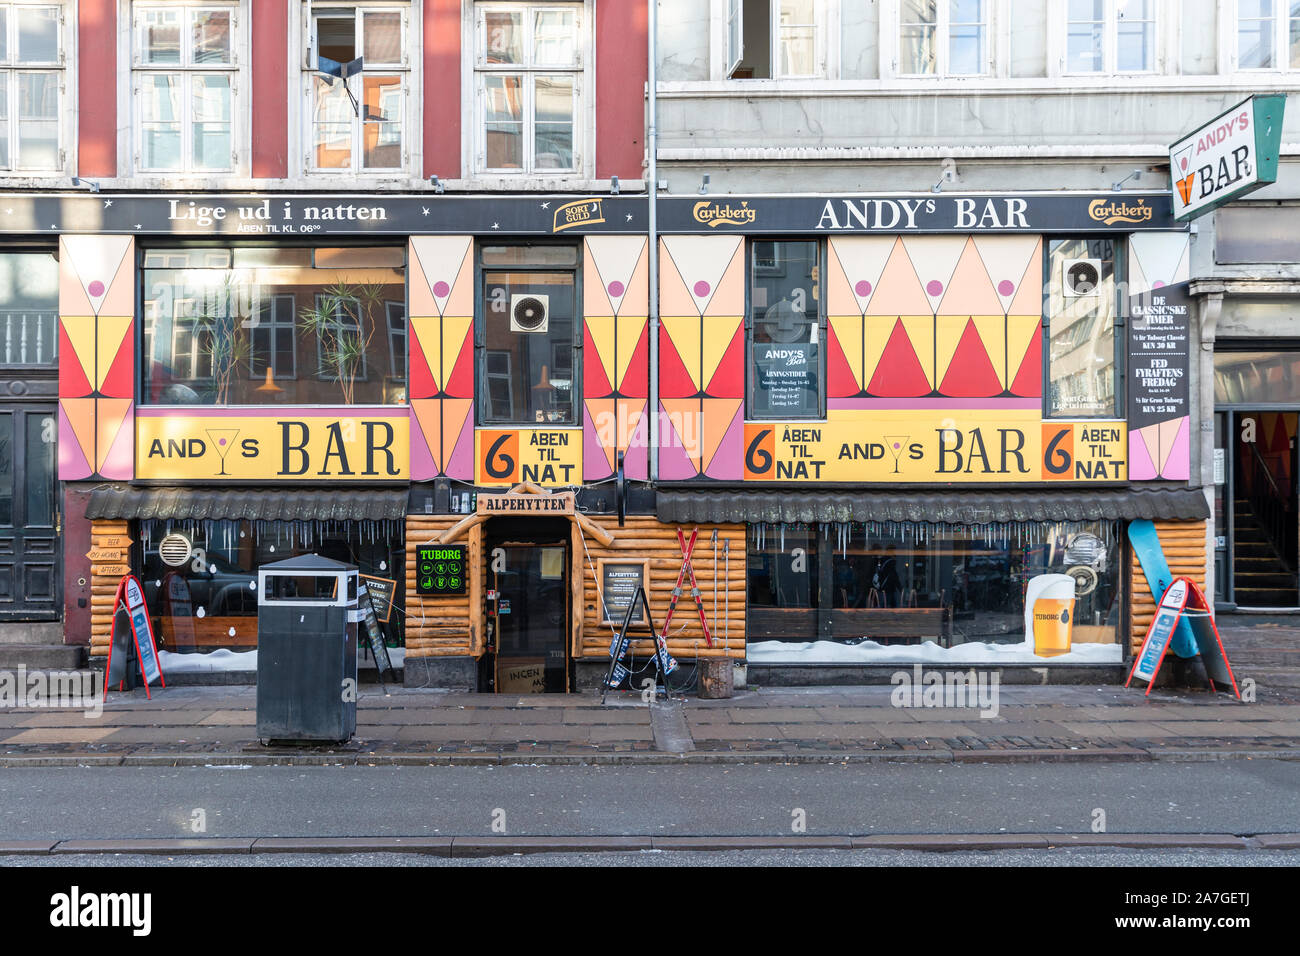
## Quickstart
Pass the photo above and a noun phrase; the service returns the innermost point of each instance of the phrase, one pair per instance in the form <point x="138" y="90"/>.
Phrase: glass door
<point x="1265" y="530"/>
<point x="531" y="582"/>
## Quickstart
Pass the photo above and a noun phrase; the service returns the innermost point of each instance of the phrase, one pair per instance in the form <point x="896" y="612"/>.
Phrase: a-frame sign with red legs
<point x="1184" y="598"/>
<point x="130" y="598"/>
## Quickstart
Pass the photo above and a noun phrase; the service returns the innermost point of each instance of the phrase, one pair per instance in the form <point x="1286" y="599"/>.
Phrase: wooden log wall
<point x="110" y="547"/>
<point x="443" y="626"/>
<point x="647" y="537"/>
<point x="1184" y="546"/>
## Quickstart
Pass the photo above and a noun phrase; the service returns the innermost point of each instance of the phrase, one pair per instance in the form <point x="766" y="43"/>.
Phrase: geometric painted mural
<point x="1160" y="449"/>
<point x="616" y="356"/>
<point x="701" y="357"/>
<point x="96" y="357"/>
<point x="441" y="387"/>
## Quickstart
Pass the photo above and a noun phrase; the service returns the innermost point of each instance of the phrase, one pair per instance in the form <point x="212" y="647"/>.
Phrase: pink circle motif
<point x="616" y="288"/>
<point x="897" y="446"/>
<point x="1158" y="284"/>
<point x="95" y="288"/>
<point x="702" y="288"/>
<point x="1183" y="162"/>
<point x="221" y="441"/>
<point x="863" y="287"/>
<point x="1006" y="287"/>
<point x="934" y="287"/>
<point x="440" y="289"/>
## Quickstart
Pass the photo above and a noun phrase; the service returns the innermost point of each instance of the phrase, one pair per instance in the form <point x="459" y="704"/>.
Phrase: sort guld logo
<point x="580" y="212"/>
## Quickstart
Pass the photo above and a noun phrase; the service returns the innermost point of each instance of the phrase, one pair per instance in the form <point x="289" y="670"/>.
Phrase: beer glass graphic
<point x="224" y="439"/>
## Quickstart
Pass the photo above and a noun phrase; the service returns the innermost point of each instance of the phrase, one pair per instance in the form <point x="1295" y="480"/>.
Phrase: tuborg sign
<point x="1231" y="155"/>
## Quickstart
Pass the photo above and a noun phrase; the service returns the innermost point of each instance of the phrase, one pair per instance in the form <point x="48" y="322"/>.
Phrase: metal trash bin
<point x="307" y="650"/>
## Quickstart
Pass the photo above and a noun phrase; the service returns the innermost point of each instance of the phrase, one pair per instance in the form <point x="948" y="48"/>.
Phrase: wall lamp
<point x="93" y="187"/>
<point x="1133" y="175"/>
<point x="704" y="185"/>
<point x="438" y="185"/>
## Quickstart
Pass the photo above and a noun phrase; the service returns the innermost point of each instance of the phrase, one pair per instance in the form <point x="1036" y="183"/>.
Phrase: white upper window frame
<point x="733" y="34"/>
<point x="1113" y="13"/>
<point x="477" y="71"/>
<point x="1282" y="21"/>
<point x="11" y="67"/>
<point x="943" y="42"/>
<point x="412" y="53"/>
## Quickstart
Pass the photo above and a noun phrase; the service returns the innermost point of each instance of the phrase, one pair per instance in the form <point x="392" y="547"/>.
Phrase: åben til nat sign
<point x="1230" y="156"/>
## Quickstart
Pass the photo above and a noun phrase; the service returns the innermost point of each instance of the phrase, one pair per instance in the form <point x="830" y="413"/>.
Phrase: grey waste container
<point x="306" y="650"/>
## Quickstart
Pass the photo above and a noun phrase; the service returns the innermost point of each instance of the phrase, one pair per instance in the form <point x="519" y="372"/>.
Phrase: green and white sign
<point x="1233" y="154"/>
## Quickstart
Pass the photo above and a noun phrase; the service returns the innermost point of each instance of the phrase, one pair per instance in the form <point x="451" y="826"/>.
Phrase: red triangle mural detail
<point x="839" y="374"/>
<point x="73" y="382"/>
<point x="595" y="383"/>
<point x="899" y="373"/>
<point x="636" y="380"/>
<point x="461" y="383"/>
<point x="422" y="384"/>
<point x="120" y="380"/>
<point x="1028" y="382"/>
<point x="971" y="374"/>
<point x="729" y="377"/>
<point x="674" y="380"/>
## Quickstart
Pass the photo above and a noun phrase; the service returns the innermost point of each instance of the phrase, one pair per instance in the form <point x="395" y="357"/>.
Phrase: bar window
<point x="31" y="77"/>
<point x="29" y="308"/>
<point x="1081" y="316"/>
<point x="785" y="330"/>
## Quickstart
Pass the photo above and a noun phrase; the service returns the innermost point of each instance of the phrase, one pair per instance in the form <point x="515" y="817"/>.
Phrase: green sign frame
<point x="1267" y="113"/>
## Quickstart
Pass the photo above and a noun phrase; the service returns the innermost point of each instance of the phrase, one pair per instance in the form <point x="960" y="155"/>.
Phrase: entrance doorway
<point x="29" y="551"/>
<point x="528" y="562"/>
<point x="1262" y="495"/>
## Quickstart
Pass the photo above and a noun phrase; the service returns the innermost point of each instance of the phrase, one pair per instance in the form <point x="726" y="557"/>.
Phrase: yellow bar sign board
<point x="550" y="457"/>
<point x="289" y="444"/>
<point x="959" y="446"/>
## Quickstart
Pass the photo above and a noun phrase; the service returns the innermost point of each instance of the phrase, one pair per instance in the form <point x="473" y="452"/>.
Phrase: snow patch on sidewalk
<point x="869" y="652"/>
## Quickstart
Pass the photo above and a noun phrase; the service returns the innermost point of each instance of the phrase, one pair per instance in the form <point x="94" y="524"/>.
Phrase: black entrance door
<point x="1264" y="510"/>
<point x="29" y="554"/>
<point x="531" y="613"/>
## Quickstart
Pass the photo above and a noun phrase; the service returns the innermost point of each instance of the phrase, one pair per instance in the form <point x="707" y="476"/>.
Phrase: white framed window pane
<point x="797" y="53"/>
<point x="917" y="50"/>
<point x="503" y="37"/>
<point x="553" y="130"/>
<point x="381" y="33"/>
<point x="1255" y="34"/>
<point x="382" y="127"/>
<point x="212" y="121"/>
<point x="4" y="119"/>
<point x="38" y="121"/>
<point x="160" y="36"/>
<point x="966" y="37"/>
<point x="1135" y="40"/>
<point x="1084" y="36"/>
<point x="38" y="34"/>
<point x="555" y="37"/>
<point x="336" y="38"/>
<point x="160" y="121"/>
<point x="504" y="118"/>
<point x="161" y="147"/>
<point x="4" y="34"/>
<point x="1294" y="38"/>
<point x="331" y="125"/>
<point x="919" y="12"/>
<point x="212" y="37"/>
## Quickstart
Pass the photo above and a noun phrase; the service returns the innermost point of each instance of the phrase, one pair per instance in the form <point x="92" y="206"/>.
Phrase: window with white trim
<point x="357" y="111"/>
<point x="1268" y="34"/>
<point x="184" y="65"/>
<point x="775" y="39"/>
<point x="1110" y="36"/>
<point x="529" y="87"/>
<point x="943" y="38"/>
<point x="31" y="87"/>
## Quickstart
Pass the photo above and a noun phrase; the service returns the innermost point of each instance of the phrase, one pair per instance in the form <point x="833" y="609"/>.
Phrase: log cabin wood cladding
<point x="1184" y="545"/>
<point x="106" y="540"/>
<point x="446" y="627"/>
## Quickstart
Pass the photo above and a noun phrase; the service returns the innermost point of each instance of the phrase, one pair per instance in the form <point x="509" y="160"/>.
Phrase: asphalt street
<point x="1238" y="796"/>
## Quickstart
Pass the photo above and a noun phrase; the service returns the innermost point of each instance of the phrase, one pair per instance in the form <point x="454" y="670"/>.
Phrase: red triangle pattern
<point x="461" y="382"/>
<point x="120" y="381"/>
<point x="595" y="383"/>
<point x="1028" y="382"/>
<point x="636" y="380"/>
<point x="971" y="373"/>
<point x="73" y="382"/>
<point x="899" y="373"/>
<point x="729" y="377"/>
<point x="838" y="372"/>
<point x="674" y="380"/>
<point x="422" y="384"/>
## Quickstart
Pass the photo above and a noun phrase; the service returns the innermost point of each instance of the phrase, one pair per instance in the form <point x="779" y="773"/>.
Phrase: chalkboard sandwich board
<point x="619" y="580"/>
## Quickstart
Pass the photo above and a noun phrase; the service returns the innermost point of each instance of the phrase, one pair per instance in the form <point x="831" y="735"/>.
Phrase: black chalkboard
<point x="619" y="583"/>
<point x="374" y="632"/>
<point x="382" y="591"/>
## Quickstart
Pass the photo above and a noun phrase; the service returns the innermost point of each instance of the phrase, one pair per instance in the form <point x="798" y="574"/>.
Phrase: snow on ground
<point x="869" y="652"/>
<point x="226" y="660"/>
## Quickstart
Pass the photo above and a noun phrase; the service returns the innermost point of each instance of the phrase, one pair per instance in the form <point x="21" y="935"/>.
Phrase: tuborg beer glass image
<point x="1054" y="617"/>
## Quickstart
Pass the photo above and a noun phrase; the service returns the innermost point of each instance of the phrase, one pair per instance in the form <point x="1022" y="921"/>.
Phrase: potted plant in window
<point x="342" y="320"/>
<point x="225" y="348"/>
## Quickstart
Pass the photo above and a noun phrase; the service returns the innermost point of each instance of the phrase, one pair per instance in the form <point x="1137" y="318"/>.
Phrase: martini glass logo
<point x="1184" y="175"/>
<point x="224" y="440"/>
<point x="896" y="444"/>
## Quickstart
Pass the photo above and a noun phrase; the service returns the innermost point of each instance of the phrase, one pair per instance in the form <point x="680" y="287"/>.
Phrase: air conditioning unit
<point x="529" y="313"/>
<point x="1081" y="277"/>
